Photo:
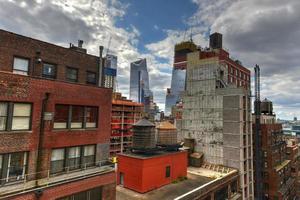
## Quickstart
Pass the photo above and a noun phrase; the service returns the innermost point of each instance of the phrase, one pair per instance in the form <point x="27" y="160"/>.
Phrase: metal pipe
<point x="258" y="147"/>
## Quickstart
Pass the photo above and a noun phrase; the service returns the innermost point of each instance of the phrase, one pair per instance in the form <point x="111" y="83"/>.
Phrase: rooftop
<point x="152" y="154"/>
<point x="197" y="180"/>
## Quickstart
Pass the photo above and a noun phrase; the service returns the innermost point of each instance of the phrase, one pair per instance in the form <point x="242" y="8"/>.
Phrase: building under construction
<point x="216" y="111"/>
<point x="124" y="114"/>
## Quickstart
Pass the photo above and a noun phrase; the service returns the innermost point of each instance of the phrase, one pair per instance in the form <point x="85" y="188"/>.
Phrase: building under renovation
<point x="216" y="110"/>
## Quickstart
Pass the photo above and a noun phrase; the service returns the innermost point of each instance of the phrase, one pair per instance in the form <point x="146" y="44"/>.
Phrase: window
<point x="168" y="171"/>
<point x="61" y="116"/>
<point x="21" y="116"/>
<point x="72" y="74"/>
<point x="89" y="155"/>
<point x="91" y="78"/>
<point x="74" y="117"/>
<point x="73" y="158"/>
<point x="3" y="116"/>
<point x="21" y="66"/>
<point x="92" y="194"/>
<point x="91" y="116"/>
<point x="15" y="116"/>
<point x="57" y="160"/>
<point x="13" y="166"/>
<point x="77" y="117"/>
<point x="49" y="70"/>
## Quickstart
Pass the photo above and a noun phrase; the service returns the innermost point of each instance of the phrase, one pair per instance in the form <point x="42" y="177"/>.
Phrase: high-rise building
<point x="178" y="74"/>
<point x="217" y="114"/>
<point x="54" y="122"/>
<point x="279" y="161"/>
<point x="139" y="81"/>
<point x="110" y="71"/>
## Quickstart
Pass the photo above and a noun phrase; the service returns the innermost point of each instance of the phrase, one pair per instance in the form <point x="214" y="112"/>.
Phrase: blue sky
<point x="151" y="18"/>
<point x="260" y="32"/>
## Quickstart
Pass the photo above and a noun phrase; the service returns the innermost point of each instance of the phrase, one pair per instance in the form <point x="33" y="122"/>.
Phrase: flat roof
<point x="196" y="178"/>
<point x="166" y="192"/>
<point x="150" y="155"/>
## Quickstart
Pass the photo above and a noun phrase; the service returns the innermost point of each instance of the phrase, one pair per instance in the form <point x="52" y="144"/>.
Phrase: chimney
<point x="215" y="41"/>
<point x="80" y="43"/>
<point x="101" y="67"/>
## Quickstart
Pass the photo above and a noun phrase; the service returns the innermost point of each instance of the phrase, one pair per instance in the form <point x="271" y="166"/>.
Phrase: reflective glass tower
<point x="139" y="81"/>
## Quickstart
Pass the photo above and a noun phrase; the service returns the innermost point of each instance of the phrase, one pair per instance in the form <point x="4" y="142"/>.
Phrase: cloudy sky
<point x="265" y="32"/>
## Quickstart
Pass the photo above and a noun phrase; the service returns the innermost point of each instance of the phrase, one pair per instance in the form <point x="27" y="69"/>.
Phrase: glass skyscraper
<point x="139" y="81"/>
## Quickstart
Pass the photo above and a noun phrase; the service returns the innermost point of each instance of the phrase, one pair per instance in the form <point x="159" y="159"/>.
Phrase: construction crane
<point x="258" y="145"/>
<point x="108" y="45"/>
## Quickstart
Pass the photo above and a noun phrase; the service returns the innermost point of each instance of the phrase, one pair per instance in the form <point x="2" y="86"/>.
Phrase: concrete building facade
<point x="54" y="122"/>
<point x="217" y="113"/>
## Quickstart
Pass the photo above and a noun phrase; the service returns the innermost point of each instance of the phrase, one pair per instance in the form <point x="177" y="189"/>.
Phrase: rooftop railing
<point x="12" y="185"/>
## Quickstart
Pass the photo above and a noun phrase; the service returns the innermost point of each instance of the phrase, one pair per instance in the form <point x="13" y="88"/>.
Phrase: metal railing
<point x="21" y="183"/>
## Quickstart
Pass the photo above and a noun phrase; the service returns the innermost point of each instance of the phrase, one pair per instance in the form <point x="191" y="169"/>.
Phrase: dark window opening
<point x="49" y="70"/>
<point x="91" y="78"/>
<point x="72" y="74"/>
<point x="75" y="117"/>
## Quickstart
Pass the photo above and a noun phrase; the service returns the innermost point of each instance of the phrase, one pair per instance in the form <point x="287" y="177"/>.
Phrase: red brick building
<point x="143" y="173"/>
<point x="278" y="182"/>
<point x="54" y="122"/>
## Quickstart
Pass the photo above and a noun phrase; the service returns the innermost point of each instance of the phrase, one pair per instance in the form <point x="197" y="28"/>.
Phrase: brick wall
<point x="18" y="88"/>
<point x="16" y="45"/>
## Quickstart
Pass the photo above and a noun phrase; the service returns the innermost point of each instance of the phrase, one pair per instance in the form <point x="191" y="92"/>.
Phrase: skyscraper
<point x="178" y="74"/>
<point x="139" y="81"/>
<point x="217" y="112"/>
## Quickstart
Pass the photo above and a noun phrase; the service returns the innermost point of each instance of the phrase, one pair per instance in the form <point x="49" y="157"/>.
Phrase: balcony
<point x="28" y="183"/>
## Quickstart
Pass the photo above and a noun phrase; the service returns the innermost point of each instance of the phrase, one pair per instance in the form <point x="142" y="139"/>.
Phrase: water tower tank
<point x="166" y="134"/>
<point x="266" y="107"/>
<point x="143" y="135"/>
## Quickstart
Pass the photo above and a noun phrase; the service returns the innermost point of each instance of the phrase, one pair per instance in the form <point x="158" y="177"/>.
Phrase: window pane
<point x="21" y="64"/>
<point x="74" y="152"/>
<point x="22" y="110"/>
<point x="61" y="116"/>
<point x="16" y="166"/>
<point x="72" y="74"/>
<point x="21" y="116"/>
<point x="91" y="117"/>
<point x="89" y="150"/>
<point x="3" y="116"/>
<point x="57" y="160"/>
<point x="49" y="70"/>
<point x="91" y="77"/>
<point x="58" y="154"/>
<point x="3" y="109"/>
<point x="81" y="196"/>
<point x="20" y="123"/>
<point x="77" y="117"/>
<point x="74" y="158"/>
<point x="96" y="193"/>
